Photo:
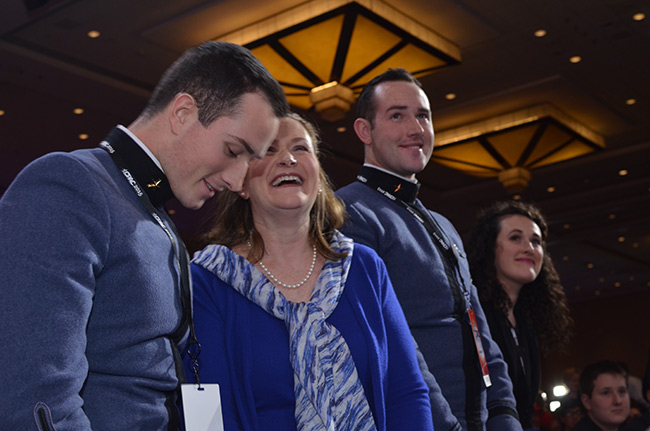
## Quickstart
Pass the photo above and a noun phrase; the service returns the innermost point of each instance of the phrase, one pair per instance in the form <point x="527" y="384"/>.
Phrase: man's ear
<point x="586" y="401"/>
<point x="180" y="112"/>
<point x="363" y="130"/>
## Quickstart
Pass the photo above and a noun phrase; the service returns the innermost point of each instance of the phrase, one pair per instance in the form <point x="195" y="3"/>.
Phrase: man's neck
<point x="600" y="425"/>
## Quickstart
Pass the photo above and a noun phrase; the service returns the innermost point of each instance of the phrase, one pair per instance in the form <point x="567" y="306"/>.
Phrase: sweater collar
<point x="397" y="186"/>
<point x="145" y="171"/>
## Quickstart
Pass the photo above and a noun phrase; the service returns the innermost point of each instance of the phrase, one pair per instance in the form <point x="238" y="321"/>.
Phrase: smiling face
<point x="208" y="159"/>
<point x="288" y="177"/>
<point x="609" y="404"/>
<point x="401" y="137"/>
<point x="518" y="251"/>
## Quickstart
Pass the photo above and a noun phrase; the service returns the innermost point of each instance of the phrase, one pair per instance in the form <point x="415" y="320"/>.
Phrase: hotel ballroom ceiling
<point x="599" y="218"/>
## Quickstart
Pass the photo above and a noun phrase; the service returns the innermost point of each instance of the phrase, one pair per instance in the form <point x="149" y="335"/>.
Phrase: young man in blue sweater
<point x="95" y="294"/>
<point x="468" y="380"/>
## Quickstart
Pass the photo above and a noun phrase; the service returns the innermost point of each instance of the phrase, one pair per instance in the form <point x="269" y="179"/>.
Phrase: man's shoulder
<point x="65" y="162"/>
<point x="352" y="190"/>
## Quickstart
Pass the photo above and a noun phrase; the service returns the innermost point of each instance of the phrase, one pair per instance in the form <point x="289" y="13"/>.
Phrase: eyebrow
<point x="403" y="107"/>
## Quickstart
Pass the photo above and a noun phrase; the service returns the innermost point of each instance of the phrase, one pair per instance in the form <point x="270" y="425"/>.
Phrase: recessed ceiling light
<point x="78" y="111"/>
<point x="550" y="189"/>
<point x="621" y="239"/>
<point x="597" y="293"/>
<point x="565" y="258"/>
<point x="341" y="129"/>
<point x="566" y="226"/>
<point x="617" y="284"/>
<point x="590" y="265"/>
<point x="622" y="172"/>
<point x="612" y="216"/>
<point x="635" y="245"/>
<point x="83" y="136"/>
<point x="630" y="101"/>
<point x="93" y="34"/>
<point x="450" y="96"/>
<point x="2" y="112"/>
<point x="640" y="16"/>
<point x="540" y="33"/>
<point x="575" y="59"/>
<point x="516" y="197"/>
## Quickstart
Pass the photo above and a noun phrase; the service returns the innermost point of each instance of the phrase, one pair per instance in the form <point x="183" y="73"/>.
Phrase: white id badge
<point x="202" y="408"/>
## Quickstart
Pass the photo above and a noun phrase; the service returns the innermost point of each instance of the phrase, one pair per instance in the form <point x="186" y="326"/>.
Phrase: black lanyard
<point x="194" y="348"/>
<point x="450" y="253"/>
<point x="448" y="250"/>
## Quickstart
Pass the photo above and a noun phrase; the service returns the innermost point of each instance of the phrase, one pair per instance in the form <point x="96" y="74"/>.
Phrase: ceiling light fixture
<point x="450" y="96"/>
<point x="575" y="59"/>
<point x="540" y="33"/>
<point x="630" y="101"/>
<point x="509" y="146"/>
<point x="640" y="16"/>
<point x="77" y="111"/>
<point x="324" y="51"/>
<point x="93" y="34"/>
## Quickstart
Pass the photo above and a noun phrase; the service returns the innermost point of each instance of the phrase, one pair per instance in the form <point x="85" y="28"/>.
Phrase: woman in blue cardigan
<point x="299" y="326"/>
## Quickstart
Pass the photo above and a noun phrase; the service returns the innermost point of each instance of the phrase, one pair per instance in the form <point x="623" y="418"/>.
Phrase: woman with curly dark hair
<point x="520" y="291"/>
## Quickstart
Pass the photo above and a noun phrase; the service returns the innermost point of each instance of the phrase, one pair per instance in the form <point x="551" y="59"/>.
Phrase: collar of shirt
<point x="400" y="187"/>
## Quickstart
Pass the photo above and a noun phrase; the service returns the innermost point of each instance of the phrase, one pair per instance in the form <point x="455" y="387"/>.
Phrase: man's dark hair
<point x="366" y="104"/>
<point x="216" y="75"/>
<point x="592" y="371"/>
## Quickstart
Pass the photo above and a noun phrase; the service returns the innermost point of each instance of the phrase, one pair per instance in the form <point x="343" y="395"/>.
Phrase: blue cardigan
<point x="89" y="294"/>
<point x="246" y="351"/>
<point x="423" y="290"/>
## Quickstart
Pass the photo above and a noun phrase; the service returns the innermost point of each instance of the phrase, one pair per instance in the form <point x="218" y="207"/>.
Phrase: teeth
<point x="209" y="186"/>
<point x="287" y="178"/>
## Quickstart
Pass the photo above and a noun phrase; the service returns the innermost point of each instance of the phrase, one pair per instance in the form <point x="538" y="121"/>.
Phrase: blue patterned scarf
<point x="329" y="394"/>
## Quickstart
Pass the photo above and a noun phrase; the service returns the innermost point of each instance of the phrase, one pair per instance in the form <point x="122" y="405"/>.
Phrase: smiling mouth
<point x="412" y="147"/>
<point x="287" y="180"/>
<point x="209" y="186"/>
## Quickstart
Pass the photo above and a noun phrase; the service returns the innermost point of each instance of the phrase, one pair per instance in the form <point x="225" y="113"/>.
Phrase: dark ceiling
<point x="599" y="219"/>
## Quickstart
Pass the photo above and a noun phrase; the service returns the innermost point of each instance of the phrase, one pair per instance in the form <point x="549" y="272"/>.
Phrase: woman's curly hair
<point x="543" y="301"/>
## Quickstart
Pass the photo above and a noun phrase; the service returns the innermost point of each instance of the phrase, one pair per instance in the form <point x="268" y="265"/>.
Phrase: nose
<point x="415" y="128"/>
<point x="618" y="398"/>
<point x="234" y="177"/>
<point x="287" y="159"/>
<point x="529" y="247"/>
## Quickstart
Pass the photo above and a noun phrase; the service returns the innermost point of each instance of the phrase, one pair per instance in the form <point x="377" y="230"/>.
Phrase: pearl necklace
<point x="290" y="286"/>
